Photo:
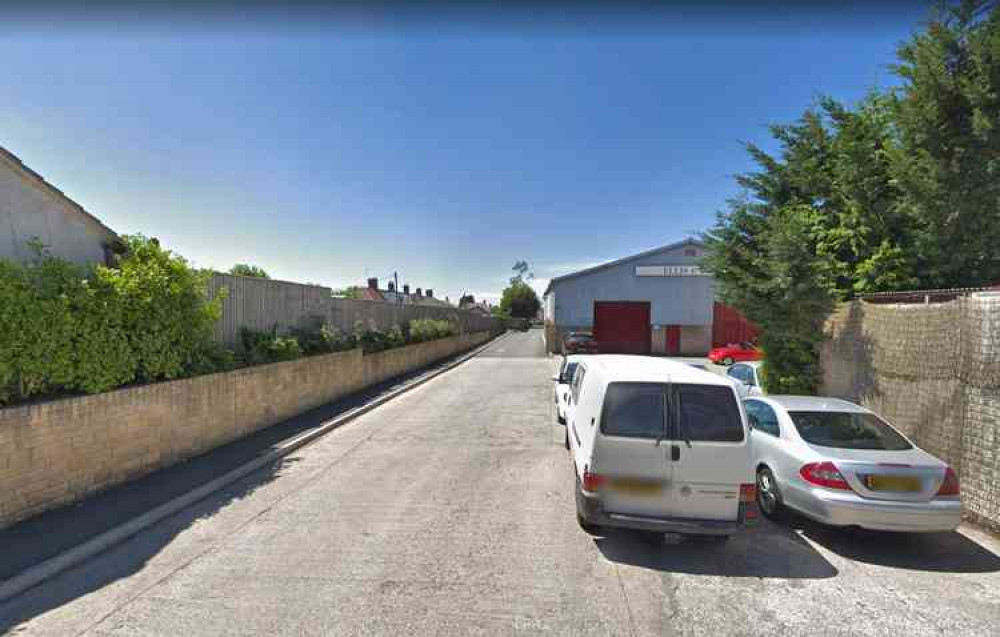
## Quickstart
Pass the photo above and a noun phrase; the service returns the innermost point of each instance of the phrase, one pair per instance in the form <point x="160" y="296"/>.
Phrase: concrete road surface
<point x="450" y="511"/>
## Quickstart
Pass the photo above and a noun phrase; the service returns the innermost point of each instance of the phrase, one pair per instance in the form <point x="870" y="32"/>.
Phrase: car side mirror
<point x="754" y="423"/>
<point x="556" y="379"/>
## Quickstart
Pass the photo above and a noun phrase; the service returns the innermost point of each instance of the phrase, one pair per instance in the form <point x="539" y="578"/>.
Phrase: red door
<point x="673" y="340"/>
<point x="622" y="327"/>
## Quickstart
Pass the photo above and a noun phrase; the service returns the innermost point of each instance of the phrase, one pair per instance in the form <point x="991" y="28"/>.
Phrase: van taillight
<point x="593" y="481"/>
<point x="748" y="504"/>
<point x="824" y="474"/>
<point x="950" y="484"/>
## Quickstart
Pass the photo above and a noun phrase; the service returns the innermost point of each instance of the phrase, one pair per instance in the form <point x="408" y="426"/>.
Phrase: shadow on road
<point x="768" y="551"/>
<point x="936" y="552"/>
<point x="37" y="539"/>
<point x="129" y="557"/>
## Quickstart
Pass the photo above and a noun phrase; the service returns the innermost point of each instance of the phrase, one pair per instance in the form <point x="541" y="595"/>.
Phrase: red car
<point x="580" y="343"/>
<point x="745" y="351"/>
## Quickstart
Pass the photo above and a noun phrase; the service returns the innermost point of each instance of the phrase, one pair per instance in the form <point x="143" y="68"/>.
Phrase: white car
<point x="840" y="464"/>
<point x="747" y="378"/>
<point x="659" y="446"/>
<point x="560" y="392"/>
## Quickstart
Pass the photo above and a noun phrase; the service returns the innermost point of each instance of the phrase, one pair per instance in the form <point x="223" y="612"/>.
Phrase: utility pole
<point x="395" y="276"/>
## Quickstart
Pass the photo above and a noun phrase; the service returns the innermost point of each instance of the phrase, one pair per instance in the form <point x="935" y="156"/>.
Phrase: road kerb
<point x="51" y="567"/>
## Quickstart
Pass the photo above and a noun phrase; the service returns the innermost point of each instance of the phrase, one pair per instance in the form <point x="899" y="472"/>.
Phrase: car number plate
<point x="892" y="483"/>
<point x="642" y="488"/>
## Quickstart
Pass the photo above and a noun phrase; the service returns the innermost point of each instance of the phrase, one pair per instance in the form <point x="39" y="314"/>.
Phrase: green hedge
<point x="64" y="328"/>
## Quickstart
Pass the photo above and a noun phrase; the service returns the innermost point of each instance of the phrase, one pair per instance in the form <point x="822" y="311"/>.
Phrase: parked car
<point x="745" y="351"/>
<point x="841" y="464"/>
<point x="659" y="446"/>
<point x="747" y="378"/>
<point x="580" y="343"/>
<point x="561" y="390"/>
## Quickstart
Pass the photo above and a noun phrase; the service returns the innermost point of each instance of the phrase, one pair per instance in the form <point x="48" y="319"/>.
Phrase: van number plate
<point x="644" y="488"/>
<point x="892" y="483"/>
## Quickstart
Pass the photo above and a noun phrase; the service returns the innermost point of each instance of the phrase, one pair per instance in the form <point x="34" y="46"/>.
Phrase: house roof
<point x="391" y="296"/>
<point x="40" y="181"/>
<point x="611" y="264"/>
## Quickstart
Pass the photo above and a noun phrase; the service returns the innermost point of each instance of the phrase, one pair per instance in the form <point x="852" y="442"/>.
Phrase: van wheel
<point x="727" y="361"/>
<point x="768" y="495"/>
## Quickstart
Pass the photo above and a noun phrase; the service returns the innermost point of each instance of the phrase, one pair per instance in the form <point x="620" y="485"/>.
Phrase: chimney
<point x="406" y="289"/>
<point x="418" y="291"/>
<point x="392" y="286"/>
<point x="430" y="293"/>
<point x="373" y="283"/>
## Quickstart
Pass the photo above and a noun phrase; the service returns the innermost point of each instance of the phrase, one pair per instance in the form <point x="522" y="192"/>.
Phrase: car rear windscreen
<point x="634" y="410"/>
<point x="708" y="413"/>
<point x="847" y="430"/>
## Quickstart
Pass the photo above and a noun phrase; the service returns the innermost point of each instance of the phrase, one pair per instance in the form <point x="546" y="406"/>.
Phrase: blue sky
<point x="441" y="149"/>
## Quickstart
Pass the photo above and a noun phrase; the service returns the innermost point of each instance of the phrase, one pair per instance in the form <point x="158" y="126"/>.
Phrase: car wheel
<point x="768" y="495"/>
<point x="566" y="440"/>
<point x="560" y="419"/>
<point x="727" y="361"/>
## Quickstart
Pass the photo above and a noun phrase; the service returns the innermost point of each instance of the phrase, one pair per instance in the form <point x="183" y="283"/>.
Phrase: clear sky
<point x="335" y="147"/>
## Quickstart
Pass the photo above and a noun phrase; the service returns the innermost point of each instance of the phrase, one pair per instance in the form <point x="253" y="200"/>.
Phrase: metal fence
<point x="263" y="304"/>
<point x="933" y="369"/>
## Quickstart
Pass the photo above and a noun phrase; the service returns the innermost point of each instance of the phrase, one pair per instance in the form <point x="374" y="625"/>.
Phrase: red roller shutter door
<point x="622" y="327"/>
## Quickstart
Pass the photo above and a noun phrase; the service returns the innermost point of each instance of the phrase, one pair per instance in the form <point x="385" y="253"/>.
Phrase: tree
<point x="947" y="163"/>
<point x="519" y="299"/>
<point x="350" y="292"/>
<point x="901" y="191"/>
<point x="522" y="272"/>
<point x="245" y="269"/>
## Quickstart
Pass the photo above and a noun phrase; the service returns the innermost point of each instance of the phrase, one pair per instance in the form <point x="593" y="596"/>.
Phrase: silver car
<point x="841" y="464"/>
<point x="747" y="378"/>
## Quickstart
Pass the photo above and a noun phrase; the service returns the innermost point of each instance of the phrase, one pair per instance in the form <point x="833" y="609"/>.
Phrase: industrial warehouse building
<point x="655" y="302"/>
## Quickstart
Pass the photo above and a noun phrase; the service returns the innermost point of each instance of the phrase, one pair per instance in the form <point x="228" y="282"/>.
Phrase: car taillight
<point x="950" y="484"/>
<point x="748" y="504"/>
<point x="593" y="481"/>
<point x="824" y="474"/>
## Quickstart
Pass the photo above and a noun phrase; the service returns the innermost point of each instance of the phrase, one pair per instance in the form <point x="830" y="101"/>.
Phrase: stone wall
<point x="57" y="452"/>
<point x="933" y="371"/>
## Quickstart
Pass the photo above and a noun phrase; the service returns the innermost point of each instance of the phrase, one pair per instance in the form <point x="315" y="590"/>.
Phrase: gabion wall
<point x="933" y="371"/>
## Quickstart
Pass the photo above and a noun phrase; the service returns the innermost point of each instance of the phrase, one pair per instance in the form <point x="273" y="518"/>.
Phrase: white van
<point x="659" y="446"/>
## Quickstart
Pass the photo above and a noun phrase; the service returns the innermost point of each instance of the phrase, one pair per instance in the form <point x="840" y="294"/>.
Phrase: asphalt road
<point x="449" y="511"/>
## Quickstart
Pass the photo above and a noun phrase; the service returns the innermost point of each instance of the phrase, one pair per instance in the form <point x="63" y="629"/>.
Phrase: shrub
<point x="430" y="329"/>
<point x="260" y="348"/>
<point x="59" y="331"/>
<point x="164" y="307"/>
<point x="64" y="328"/>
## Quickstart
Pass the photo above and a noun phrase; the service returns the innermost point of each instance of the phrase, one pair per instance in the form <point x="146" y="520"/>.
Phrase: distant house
<point x="31" y="207"/>
<point x="469" y="302"/>
<point x="372" y="292"/>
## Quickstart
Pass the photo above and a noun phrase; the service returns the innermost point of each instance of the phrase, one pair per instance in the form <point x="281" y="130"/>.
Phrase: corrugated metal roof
<point x="611" y="264"/>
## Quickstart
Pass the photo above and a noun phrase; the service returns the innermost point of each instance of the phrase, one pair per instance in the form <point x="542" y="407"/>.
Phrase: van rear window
<point x="709" y="413"/>
<point x="634" y="410"/>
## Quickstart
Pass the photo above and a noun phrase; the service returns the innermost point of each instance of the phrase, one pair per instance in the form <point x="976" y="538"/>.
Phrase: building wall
<point x="29" y="210"/>
<point x="57" y="452"/>
<point x="676" y="300"/>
